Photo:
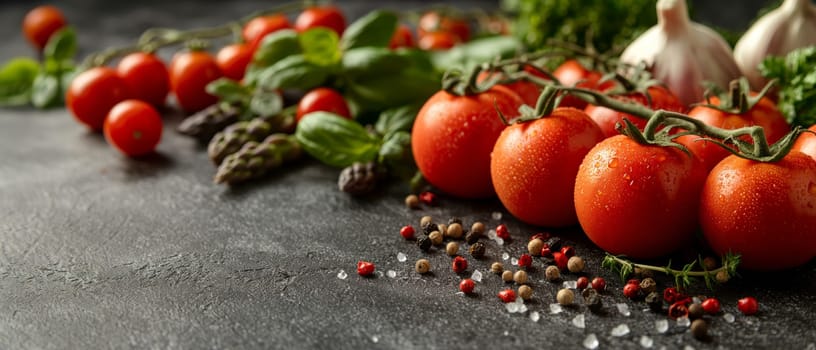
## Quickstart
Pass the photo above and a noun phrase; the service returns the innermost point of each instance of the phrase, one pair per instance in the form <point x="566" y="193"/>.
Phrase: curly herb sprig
<point x="683" y="277"/>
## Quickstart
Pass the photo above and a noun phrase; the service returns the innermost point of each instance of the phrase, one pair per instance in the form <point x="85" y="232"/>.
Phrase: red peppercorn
<point x="670" y="295"/>
<point x="631" y="290"/>
<point x="525" y="260"/>
<point x="560" y="260"/>
<point x="545" y="251"/>
<point x="711" y="306"/>
<point x="428" y="198"/>
<point x="748" y="306"/>
<point x="568" y="251"/>
<point x="633" y="281"/>
<point x="678" y="310"/>
<point x="502" y="232"/>
<point x="467" y="285"/>
<point x="365" y="268"/>
<point x="541" y="235"/>
<point x="599" y="284"/>
<point x="459" y="264"/>
<point x="582" y="282"/>
<point x="507" y="296"/>
<point x="407" y="232"/>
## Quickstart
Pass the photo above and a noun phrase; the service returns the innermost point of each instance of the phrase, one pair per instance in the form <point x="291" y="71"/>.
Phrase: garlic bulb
<point x="683" y="54"/>
<point x="789" y="27"/>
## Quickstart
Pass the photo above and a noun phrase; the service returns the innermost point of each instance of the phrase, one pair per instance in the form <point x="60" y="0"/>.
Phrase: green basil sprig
<point x="374" y="29"/>
<point x="336" y="141"/>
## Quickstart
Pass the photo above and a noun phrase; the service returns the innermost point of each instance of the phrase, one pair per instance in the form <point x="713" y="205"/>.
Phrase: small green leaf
<point x="16" y="78"/>
<point x="396" y="119"/>
<point x="374" y="29"/>
<point x="336" y="141"/>
<point x="320" y="46"/>
<point x="228" y="90"/>
<point x="275" y="47"/>
<point x="408" y="87"/>
<point x="45" y="91"/>
<point x="61" y="46"/>
<point x="293" y="72"/>
<point x="396" y="155"/>
<point x="475" y="52"/>
<point x="368" y="62"/>
<point x="266" y="103"/>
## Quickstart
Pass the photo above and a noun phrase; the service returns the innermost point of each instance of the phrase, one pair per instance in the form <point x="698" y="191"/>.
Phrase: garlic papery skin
<point x="683" y="54"/>
<point x="787" y="28"/>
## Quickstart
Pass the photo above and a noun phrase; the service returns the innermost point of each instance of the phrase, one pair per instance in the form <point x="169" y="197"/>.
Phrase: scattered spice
<point x="567" y="250"/>
<point x="545" y="251"/>
<point x="722" y="276"/>
<point x="502" y="232"/>
<point x="477" y="228"/>
<point x="424" y="243"/>
<point x="520" y="277"/>
<point x="507" y="296"/>
<point x="671" y="295"/>
<point x="525" y="292"/>
<point x="655" y="301"/>
<point x="459" y="264"/>
<point x="678" y="310"/>
<point x="543" y="236"/>
<point x="575" y="264"/>
<point x="497" y="268"/>
<point x="429" y="227"/>
<point x="365" y="268"/>
<point x="695" y="311"/>
<point x="631" y="290"/>
<point x="443" y="229"/>
<point x="435" y="237"/>
<point x="711" y="306"/>
<point x="598" y="284"/>
<point x="552" y="273"/>
<point x="477" y="250"/>
<point x="455" y="220"/>
<point x="454" y="230"/>
<point x="565" y="296"/>
<point x="412" y="201"/>
<point x="593" y="302"/>
<point x="525" y="261"/>
<point x="582" y="282"/>
<point x="428" y="198"/>
<point x="407" y="232"/>
<point x="467" y="285"/>
<point x="452" y="248"/>
<point x="472" y="237"/>
<point x="699" y="329"/>
<point x="507" y="276"/>
<point x="560" y="260"/>
<point x="534" y="246"/>
<point x="425" y="220"/>
<point x="748" y="306"/>
<point x="422" y="266"/>
<point x="648" y="285"/>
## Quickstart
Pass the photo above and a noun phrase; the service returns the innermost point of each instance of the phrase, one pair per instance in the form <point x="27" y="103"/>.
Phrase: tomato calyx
<point x="738" y="99"/>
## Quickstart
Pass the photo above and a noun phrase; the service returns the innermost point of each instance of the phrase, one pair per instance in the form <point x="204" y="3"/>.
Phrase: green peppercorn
<point x="593" y="302"/>
<point x="534" y="247"/>
<point x="575" y="264"/>
<point x="525" y="292"/>
<point x="507" y="276"/>
<point x="412" y="201"/>
<point x="425" y="220"/>
<point x="648" y="285"/>
<point x="455" y="231"/>
<point x="655" y="301"/>
<point x="565" y="296"/>
<point x="478" y="228"/>
<point x="422" y="266"/>
<point x="695" y="311"/>
<point x="520" y="277"/>
<point x="424" y="243"/>
<point x="552" y="273"/>
<point x="452" y="248"/>
<point x="477" y="250"/>
<point x="699" y="329"/>
<point x="429" y="227"/>
<point x="435" y="237"/>
<point x="497" y="268"/>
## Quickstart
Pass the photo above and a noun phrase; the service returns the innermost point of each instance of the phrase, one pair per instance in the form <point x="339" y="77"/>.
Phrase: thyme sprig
<point x="683" y="277"/>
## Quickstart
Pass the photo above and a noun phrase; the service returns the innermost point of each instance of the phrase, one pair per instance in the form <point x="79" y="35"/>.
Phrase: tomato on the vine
<point x="638" y="200"/>
<point x="437" y="41"/>
<point x="432" y="22"/>
<point x="93" y="93"/>
<point x="321" y="16"/>
<point x="453" y="136"/>
<point x="806" y="142"/>
<point x="190" y="72"/>
<point x="765" y="212"/>
<point x="660" y="97"/>
<point x="528" y="91"/>
<point x="533" y="168"/>
<point x="146" y="77"/>
<point x="257" y="28"/>
<point x="573" y="73"/>
<point x="233" y="60"/>
<point x="133" y="127"/>
<point x="402" y="38"/>
<point x="41" y="23"/>
<point x="323" y="99"/>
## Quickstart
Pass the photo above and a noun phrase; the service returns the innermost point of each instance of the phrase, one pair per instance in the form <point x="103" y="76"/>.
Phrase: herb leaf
<point x="266" y="103"/>
<point x="228" y="90"/>
<point x="16" y="78"/>
<point x="396" y="119"/>
<point x="320" y="46"/>
<point x="293" y="72"/>
<point x="276" y="46"/>
<point x="336" y="141"/>
<point x="45" y="91"/>
<point x="373" y="29"/>
<point x="797" y="77"/>
<point x="62" y="45"/>
<point x="372" y="61"/>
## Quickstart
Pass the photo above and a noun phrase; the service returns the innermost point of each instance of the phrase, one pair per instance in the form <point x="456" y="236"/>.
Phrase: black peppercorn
<point x="655" y="301"/>
<point x="454" y="220"/>
<point x="472" y="237"/>
<point x="699" y="329"/>
<point x="424" y="243"/>
<point x="695" y="311"/>
<point x="554" y="243"/>
<point x="648" y="285"/>
<point x="588" y="292"/>
<point x="593" y="302"/>
<point x="477" y="250"/>
<point x="429" y="227"/>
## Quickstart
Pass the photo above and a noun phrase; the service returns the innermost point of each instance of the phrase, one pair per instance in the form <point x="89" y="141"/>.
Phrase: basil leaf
<point x="320" y="46"/>
<point x="387" y="91"/>
<point x="228" y="90"/>
<point x="266" y="103"/>
<point x="476" y="52"/>
<point x="396" y="155"/>
<point x="61" y="46"/>
<point x="336" y="141"/>
<point x="372" y="61"/>
<point x="293" y="72"/>
<point x="276" y="46"/>
<point x="16" y="77"/>
<point x="374" y="29"/>
<point x="45" y="91"/>
<point x="396" y="119"/>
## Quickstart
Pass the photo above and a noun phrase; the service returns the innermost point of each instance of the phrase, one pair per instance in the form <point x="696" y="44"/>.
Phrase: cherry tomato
<point x="661" y="98"/>
<point x="766" y="212"/>
<point x="256" y="29"/>
<point x="437" y="41"/>
<point x="573" y="73"/>
<point x="233" y="60"/>
<point x="323" y="99"/>
<point x="764" y="114"/>
<point x="528" y="91"/>
<point x="402" y="38"/>
<point x="93" y="93"/>
<point x="190" y="72"/>
<point x="133" y="127"/>
<point x="146" y="77"/>
<point x="533" y="169"/>
<point x="432" y="22"/>
<point x="453" y="136"/>
<point x="637" y="200"/>
<point x="806" y="143"/>
<point x="42" y="22"/>
<point x="321" y="16"/>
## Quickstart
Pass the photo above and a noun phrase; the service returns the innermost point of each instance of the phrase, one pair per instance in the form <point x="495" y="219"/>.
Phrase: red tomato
<point x="146" y="77"/>
<point x="256" y="29"/>
<point x="432" y="22"/>
<point x="133" y="127"/>
<point x="93" y="93"/>
<point x="806" y="143"/>
<point x="528" y="91"/>
<point x="190" y="72"/>
<point x="766" y="212"/>
<point x="573" y="73"/>
<point x="641" y="201"/>
<point x="323" y="99"/>
<point x="321" y="16"/>
<point x="764" y="114"/>
<point x="453" y="136"/>
<point x="42" y="22"/>
<point x="437" y="41"/>
<point x="661" y="98"/>
<point x="233" y="60"/>
<point x="402" y="38"/>
<point x="533" y="168"/>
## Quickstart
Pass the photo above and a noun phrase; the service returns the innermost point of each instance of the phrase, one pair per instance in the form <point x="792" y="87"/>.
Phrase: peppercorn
<point x="525" y="292"/>
<point x="525" y="261"/>
<point x="428" y="198"/>
<point x="459" y="264"/>
<point x="643" y="273"/>
<point x="560" y="260"/>
<point x="424" y="244"/>
<point x="467" y="286"/>
<point x="670" y="295"/>
<point x="545" y="251"/>
<point x="582" y="282"/>
<point x="477" y="228"/>
<point x="695" y="311"/>
<point x="422" y="266"/>
<point x="452" y="248"/>
<point x="412" y="201"/>
<point x="543" y="236"/>
<point x="502" y="232"/>
<point x="678" y="310"/>
<point x="435" y="237"/>
<point x="748" y="306"/>
<point x="575" y="264"/>
<point x="699" y="329"/>
<point x="429" y="227"/>
<point x="455" y="230"/>
<point x="709" y="263"/>
<point x="655" y="301"/>
<point x="554" y="243"/>
<point x="507" y="276"/>
<point x="407" y="232"/>
<point x="455" y="220"/>
<point x="507" y="296"/>
<point x="722" y="276"/>
<point x="520" y="277"/>
<point x="711" y="306"/>
<point x="631" y="290"/>
<point x="593" y="302"/>
<point x="569" y="251"/>
<point x="472" y="237"/>
<point x="534" y="247"/>
<point x="598" y="284"/>
<point x="425" y="220"/>
<point x="365" y="268"/>
<point x="497" y="268"/>
<point x="586" y="293"/>
<point x="648" y="285"/>
<point x="633" y="281"/>
<point x="477" y="250"/>
<point x="565" y="296"/>
<point x="443" y="229"/>
<point x="552" y="273"/>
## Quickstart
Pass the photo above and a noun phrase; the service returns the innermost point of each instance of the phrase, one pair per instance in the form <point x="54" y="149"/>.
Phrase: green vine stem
<point x="739" y="99"/>
<point x="683" y="278"/>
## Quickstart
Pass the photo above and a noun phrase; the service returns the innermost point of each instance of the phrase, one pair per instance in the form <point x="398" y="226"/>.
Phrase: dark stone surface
<point x="102" y="252"/>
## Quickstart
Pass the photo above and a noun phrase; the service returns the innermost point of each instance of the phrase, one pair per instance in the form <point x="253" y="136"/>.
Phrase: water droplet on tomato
<point x="613" y="163"/>
<point x="812" y="188"/>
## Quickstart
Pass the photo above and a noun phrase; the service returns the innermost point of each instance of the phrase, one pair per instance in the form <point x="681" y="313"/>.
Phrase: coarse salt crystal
<point x="579" y="321"/>
<point x="512" y="307"/>
<point x="620" y="330"/>
<point x="556" y="309"/>
<point x="662" y="326"/>
<point x="342" y="274"/>
<point x="535" y="316"/>
<point x="646" y="341"/>
<point x="491" y="234"/>
<point x="375" y="339"/>
<point x="623" y="309"/>
<point x="514" y="262"/>
<point x="505" y="256"/>
<point x="729" y="318"/>
<point x="497" y="215"/>
<point x="499" y="241"/>
<point x="571" y="284"/>
<point x="688" y="347"/>
<point x="391" y="273"/>
<point x="476" y="276"/>
<point x="522" y="308"/>
<point x="591" y="341"/>
<point x="683" y="322"/>
<point x="401" y="257"/>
